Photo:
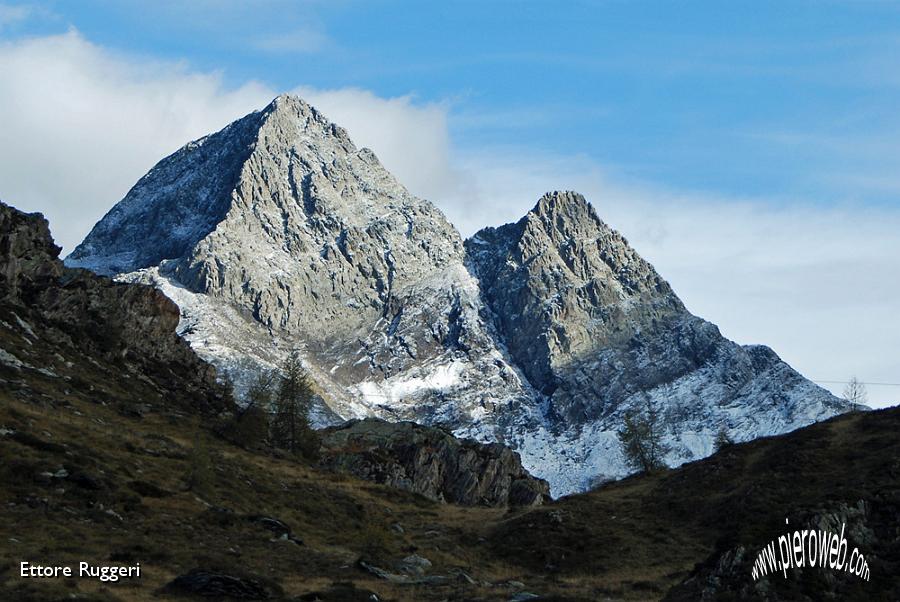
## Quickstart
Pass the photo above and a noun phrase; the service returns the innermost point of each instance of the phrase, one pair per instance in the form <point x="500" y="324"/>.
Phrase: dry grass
<point x="143" y="468"/>
<point x="127" y="500"/>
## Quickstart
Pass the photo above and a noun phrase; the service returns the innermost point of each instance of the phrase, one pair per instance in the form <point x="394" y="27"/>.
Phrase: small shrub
<point x="722" y="440"/>
<point x="200" y="478"/>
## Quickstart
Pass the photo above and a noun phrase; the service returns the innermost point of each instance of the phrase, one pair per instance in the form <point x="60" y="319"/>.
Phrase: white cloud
<point x="79" y="125"/>
<point x="411" y="139"/>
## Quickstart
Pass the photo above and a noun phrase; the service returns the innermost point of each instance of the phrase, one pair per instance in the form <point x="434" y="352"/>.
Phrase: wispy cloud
<point x="80" y="124"/>
<point x="13" y="14"/>
<point x="74" y="139"/>
<point x="298" y="41"/>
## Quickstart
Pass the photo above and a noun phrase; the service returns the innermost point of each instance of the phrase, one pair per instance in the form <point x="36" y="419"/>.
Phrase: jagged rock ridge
<point x="593" y="325"/>
<point x="317" y="243"/>
<point x="539" y="334"/>
<point x="237" y="211"/>
<point x="139" y="232"/>
<point x="564" y="286"/>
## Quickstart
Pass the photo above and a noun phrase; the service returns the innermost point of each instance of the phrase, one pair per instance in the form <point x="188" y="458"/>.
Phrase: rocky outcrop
<point x="867" y="525"/>
<point x="432" y="462"/>
<point x="574" y="302"/>
<point x="600" y="333"/>
<point x="128" y="327"/>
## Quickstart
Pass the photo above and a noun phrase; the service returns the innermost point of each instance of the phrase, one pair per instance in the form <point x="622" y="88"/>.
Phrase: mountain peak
<point x="564" y="217"/>
<point x="187" y="194"/>
<point x="565" y="200"/>
<point x="280" y="200"/>
<point x="287" y="99"/>
<point x="602" y="294"/>
<point x="292" y="107"/>
<point x="277" y="232"/>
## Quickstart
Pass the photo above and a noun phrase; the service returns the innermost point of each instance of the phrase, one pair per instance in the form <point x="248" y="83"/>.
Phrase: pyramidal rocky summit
<point x="278" y="233"/>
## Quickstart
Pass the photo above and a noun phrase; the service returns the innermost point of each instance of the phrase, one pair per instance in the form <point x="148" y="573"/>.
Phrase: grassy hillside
<point x="132" y="494"/>
<point x="126" y="497"/>
<point x="109" y="455"/>
<point x="706" y="521"/>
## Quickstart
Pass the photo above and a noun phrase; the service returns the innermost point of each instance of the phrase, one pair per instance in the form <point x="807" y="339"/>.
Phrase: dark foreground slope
<point x="694" y="533"/>
<point x="108" y="455"/>
<point x="75" y="329"/>
<point x="81" y="481"/>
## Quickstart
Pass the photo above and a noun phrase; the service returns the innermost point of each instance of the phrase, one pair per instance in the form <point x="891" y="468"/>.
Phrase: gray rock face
<point x="277" y="232"/>
<point x="282" y="217"/>
<point x="281" y="214"/>
<point x="592" y="324"/>
<point x="574" y="303"/>
<point x="140" y="231"/>
<point x="433" y="463"/>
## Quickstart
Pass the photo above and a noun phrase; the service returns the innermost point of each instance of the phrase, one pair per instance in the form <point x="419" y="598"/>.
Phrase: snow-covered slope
<point x="278" y="233"/>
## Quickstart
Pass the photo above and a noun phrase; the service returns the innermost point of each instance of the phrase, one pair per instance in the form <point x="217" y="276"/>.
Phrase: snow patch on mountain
<point x="394" y="390"/>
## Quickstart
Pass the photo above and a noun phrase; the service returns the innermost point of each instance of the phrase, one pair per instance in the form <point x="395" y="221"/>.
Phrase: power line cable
<point x="845" y="382"/>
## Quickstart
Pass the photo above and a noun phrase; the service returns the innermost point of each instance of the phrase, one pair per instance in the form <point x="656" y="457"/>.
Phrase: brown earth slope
<point x="701" y="526"/>
<point x="108" y="454"/>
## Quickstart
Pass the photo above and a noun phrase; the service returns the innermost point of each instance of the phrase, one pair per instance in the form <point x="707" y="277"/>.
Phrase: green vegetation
<point x="641" y="438"/>
<point x="277" y="412"/>
<point x="722" y="440"/>
<point x="290" y="429"/>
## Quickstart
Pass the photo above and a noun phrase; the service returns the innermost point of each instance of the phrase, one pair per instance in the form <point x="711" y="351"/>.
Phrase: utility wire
<point x="823" y="382"/>
<point x="844" y="382"/>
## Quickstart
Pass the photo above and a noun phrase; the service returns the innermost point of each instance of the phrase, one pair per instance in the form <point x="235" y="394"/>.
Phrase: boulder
<point x="432" y="462"/>
<point x="207" y="583"/>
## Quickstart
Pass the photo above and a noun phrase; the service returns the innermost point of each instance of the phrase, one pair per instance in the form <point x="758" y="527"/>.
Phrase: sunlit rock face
<point x="278" y="233"/>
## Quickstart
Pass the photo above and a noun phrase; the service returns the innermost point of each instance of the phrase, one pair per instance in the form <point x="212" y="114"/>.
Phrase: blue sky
<point x="740" y="97"/>
<point x="750" y="150"/>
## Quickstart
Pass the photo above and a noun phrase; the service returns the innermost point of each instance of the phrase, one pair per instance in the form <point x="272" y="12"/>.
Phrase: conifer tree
<point x="641" y="438"/>
<point x="250" y="426"/>
<point x="290" y="414"/>
<point x="723" y="440"/>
